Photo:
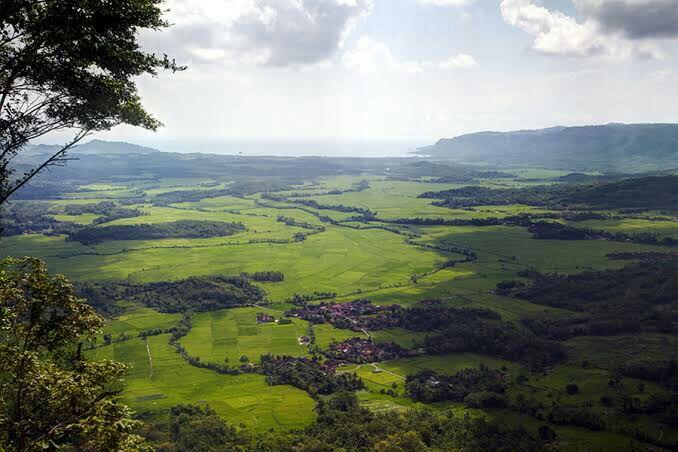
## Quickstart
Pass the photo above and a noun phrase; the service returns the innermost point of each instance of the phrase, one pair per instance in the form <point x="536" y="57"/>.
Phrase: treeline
<point x="264" y="276"/>
<point x="523" y="219"/>
<point x="107" y="210"/>
<point x="363" y="213"/>
<point x="638" y="297"/>
<point x="360" y="186"/>
<point x="473" y="176"/>
<point x="182" y="330"/>
<point x="341" y="424"/>
<point x="177" y="229"/>
<point x="499" y="339"/>
<point x="179" y="196"/>
<point x="196" y="294"/>
<point x="303" y="299"/>
<point x="547" y="230"/>
<point x="552" y="196"/>
<point x="300" y="224"/>
<point x="30" y="217"/>
<point x="307" y="374"/>
<point x="648" y="193"/>
<point x="480" y="387"/>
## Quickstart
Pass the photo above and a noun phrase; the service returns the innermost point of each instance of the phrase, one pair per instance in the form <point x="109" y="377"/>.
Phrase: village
<point x="356" y="315"/>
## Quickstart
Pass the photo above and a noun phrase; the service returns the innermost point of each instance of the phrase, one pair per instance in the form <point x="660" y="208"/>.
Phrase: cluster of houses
<point x="356" y="315"/>
<point x="360" y="350"/>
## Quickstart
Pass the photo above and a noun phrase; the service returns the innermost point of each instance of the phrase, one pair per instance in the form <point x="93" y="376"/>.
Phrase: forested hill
<point x="93" y="147"/>
<point x="610" y="148"/>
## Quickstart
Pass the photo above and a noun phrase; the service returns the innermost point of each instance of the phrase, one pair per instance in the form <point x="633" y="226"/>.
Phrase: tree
<point x="401" y="442"/>
<point x="196" y="428"/>
<point x="572" y="389"/>
<point x="70" y="65"/>
<point x="50" y="396"/>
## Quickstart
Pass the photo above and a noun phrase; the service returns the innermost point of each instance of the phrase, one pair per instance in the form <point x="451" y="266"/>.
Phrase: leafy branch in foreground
<point x="70" y="65"/>
<point x="50" y="396"/>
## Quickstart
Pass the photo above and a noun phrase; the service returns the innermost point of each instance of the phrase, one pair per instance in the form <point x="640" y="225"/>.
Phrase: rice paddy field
<point x="344" y="257"/>
<point x="232" y="333"/>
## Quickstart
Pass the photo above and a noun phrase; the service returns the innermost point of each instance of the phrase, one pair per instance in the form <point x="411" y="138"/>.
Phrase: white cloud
<point x="446" y="2"/>
<point x="556" y="33"/>
<point x="271" y="32"/>
<point x="370" y="56"/>
<point x="462" y="60"/>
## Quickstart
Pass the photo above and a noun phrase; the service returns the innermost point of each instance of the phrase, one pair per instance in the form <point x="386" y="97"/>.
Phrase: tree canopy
<point x="70" y="65"/>
<point x="50" y="396"/>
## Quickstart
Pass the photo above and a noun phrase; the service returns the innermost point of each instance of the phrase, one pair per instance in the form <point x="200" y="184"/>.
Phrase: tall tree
<point x="50" y="396"/>
<point x="70" y="65"/>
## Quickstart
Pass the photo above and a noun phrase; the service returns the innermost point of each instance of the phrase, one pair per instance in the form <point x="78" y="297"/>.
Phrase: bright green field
<point x="633" y="226"/>
<point x="232" y="333"/>
<point x="160" y="379"/>
<point x="137" y="318"/>
<point x="354" y="263"/>
<point x="340" y="259"/>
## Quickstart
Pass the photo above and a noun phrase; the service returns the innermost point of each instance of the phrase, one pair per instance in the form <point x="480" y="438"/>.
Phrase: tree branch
<point x="49" y="162"/>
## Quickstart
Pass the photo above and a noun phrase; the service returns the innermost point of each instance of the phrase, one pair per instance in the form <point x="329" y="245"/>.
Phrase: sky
<point x="408" y="71"/>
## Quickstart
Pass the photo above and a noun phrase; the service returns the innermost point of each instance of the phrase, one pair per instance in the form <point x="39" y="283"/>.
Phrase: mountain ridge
<point x="610" y="147"/>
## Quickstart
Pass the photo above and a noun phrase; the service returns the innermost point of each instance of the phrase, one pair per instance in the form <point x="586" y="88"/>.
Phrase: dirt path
<point x="386" y="371"/>
<point x="150" y="359"/>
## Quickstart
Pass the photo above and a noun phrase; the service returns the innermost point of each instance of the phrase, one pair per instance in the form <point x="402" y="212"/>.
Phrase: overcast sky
<point x="408" y="69"/>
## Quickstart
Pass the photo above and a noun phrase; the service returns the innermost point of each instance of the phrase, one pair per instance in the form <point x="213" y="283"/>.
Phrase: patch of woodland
<point x="641" y="297"/>
<point x="107" y="211"/>
<point x="478" y="387"/>
<point x="200" y="293"/>
<point x="343" y="424"/>
<point x="190" y="229"/>
<point x="309" y="374"/>
<point x="647" y="193"/>
<point x="264" y="276"/>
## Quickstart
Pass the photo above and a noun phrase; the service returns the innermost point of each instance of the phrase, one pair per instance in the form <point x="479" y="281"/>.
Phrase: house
<point x="262" y="317"/>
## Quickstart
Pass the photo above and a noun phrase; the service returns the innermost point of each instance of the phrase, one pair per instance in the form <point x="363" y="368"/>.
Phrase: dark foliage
<point x="196" y="428"/>
<point x="557" y="231"/>
<point x="300" y="224"/>
<point x="178" y="229"/>
<point x="540" y="195"/>
<point x="265" y="276"/>
<point x="500" y="339"/>
<point x="27" y="218"/>
<point x="196" y="294"/>
<point x="171" y="197"/>
<point x="428" y="386"/>
<point x="639" y="297"/>
<point x="648" y="193"/>
<point x="307" y="374"/>
<point x="108" y="210"/>
<point x="664" y="372"/>
<point x="343" y="425"/>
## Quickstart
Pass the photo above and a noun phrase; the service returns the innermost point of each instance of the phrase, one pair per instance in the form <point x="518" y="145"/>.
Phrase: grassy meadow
<point x="349" y="258"/>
